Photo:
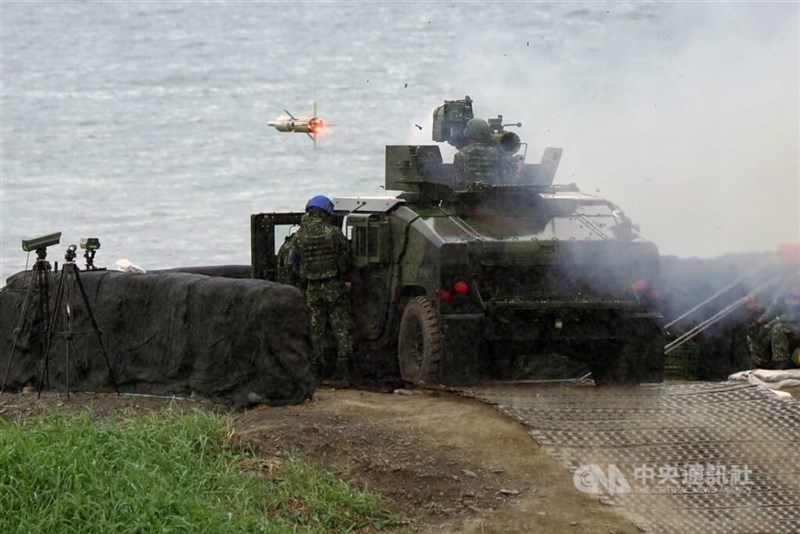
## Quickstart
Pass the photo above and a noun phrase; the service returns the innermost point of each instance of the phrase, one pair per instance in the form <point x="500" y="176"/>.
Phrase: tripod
<point x="40" y="280"/>
<point x="70" y="269"/>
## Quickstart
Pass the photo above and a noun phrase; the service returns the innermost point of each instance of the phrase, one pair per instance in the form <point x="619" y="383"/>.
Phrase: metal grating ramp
<point x="700" y="457"/>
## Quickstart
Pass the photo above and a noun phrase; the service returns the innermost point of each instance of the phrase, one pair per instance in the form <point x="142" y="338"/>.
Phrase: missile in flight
<point x="311" y="126"/>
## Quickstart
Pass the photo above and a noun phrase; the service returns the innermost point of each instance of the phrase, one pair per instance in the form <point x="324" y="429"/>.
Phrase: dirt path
<point x="452" y="464"/>
<point x="449" y="464"/>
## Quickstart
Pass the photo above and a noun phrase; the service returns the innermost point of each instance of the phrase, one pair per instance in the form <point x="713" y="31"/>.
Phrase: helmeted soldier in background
<point x="480" y="161"/>
<point x="321" y="254"/>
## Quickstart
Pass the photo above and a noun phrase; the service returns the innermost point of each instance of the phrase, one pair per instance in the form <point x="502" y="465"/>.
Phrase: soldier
<point x="782" y="320"/>
<point x="479" y="161"/>
<point x="285" y="272"/>
<point x="322" y="255"/>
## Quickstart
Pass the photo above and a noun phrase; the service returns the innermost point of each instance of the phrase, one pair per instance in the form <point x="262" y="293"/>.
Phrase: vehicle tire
<point x="419" y="344"/>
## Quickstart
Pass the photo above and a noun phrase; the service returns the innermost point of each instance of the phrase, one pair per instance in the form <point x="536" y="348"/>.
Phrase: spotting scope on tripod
<point x="62" y="314"/>
<point x="36" y="322"/>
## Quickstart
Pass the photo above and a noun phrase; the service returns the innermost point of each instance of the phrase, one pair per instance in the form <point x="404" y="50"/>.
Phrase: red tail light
<point x="461" y="287"/>
<point x="444" y="295"/>
<point x="639" y="286"/>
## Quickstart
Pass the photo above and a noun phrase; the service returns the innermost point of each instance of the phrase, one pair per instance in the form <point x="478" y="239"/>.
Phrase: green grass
<point x="164" y="472"/>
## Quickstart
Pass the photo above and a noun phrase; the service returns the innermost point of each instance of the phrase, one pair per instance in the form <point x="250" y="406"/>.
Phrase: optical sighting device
<point x="37" y="243"/>
<point x="90" y="243"/>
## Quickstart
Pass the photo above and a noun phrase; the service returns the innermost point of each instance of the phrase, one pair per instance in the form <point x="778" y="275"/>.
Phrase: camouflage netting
<point x="235" y="341"/>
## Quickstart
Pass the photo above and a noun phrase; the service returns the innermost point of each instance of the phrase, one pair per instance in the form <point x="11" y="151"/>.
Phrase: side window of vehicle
<point x="369" y="235"/>
<point x="267" y="233"/>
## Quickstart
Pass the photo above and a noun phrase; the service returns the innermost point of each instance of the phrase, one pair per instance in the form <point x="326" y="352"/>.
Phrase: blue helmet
<point x="320" y="202"/>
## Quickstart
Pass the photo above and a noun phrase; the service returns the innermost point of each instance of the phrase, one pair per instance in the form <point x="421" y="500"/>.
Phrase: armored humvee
<point x="457" y="285"/>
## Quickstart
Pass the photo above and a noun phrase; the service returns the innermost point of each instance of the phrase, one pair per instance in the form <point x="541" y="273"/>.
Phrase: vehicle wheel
<point x="419" y="345"/>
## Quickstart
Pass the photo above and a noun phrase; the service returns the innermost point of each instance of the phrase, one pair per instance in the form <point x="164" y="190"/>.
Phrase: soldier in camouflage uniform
<point x="759" y="345"/>
<point x="321" y="254"/>
<point x="479" y="161"/>
<point x="285" y="272"/>
<point x="782" y="320"/>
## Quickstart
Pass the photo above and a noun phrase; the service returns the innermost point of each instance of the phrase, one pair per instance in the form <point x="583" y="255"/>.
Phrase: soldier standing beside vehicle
<point x="321" y="253"/>
<point x="479" y="161"/>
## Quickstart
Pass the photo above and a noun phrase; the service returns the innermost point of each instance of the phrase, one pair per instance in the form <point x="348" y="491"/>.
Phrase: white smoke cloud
<point x="686" y="115"/>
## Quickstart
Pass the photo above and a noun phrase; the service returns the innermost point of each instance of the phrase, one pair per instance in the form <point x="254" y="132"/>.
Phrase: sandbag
<point x="776" y="380"/>
<point x="235" y="341"/>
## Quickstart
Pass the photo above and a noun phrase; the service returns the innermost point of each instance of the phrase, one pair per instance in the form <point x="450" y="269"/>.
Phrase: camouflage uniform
<point x="512" y="170"/>
<point x="285" y="272"/>
<point x="478" y="162"/>
<point x="782" y="335"/>
<point x="322" y="254"/>
<point x="783" y="321"/>
<point x="759" y="346"/>
<point x="758" y="337"/>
